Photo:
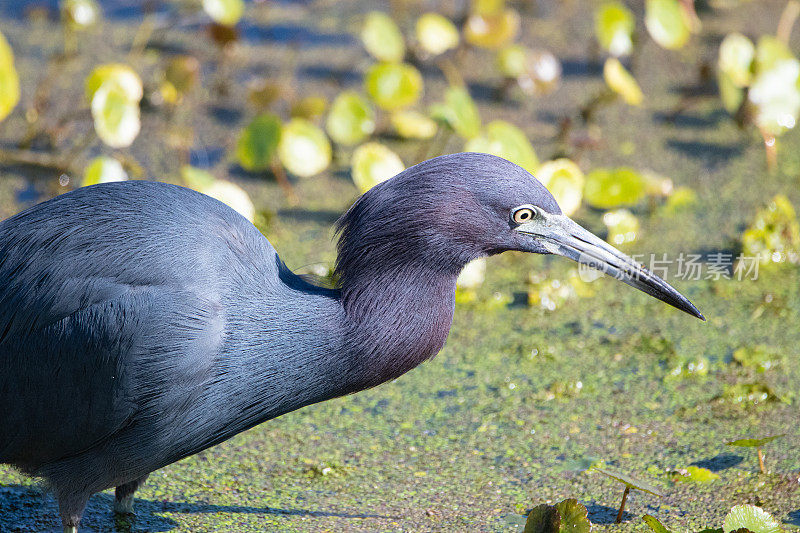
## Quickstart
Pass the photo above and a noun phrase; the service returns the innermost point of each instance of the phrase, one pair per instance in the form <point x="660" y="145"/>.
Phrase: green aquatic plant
<point x="393" y="85"/>
<point x="668" y="23"/>
<point x="693" y="474"/>
<point x="382" y="38"/>
<point x="374" y="163"/>
<point x="567" y="516"/>
<point x="103" y="169"/>
<point x="258" y="143"/>
<point x="180" y="77"/>
<point x="114" y="92"/>
<point x="623" y="226"/>
<point x="9" y="79"/>
<point x="459" y="112"/>
<point x="351" y="118"/>
<point x="225" y="12"/>
<point x="505" y="140"/>
<point x="757" y="357"/>
<point x="774" y="235"/>
<point x="411" y="124"/>
<point x="309" y="107"/>
<point x="436" y="34"/>
<point x="757" y="444"/>
<point x="610" y="188"/>
<point x="630" y="483"/>
<point x="622" y="82"/>
<point x="614" y="25"/>
<point x="565" y="180"/>
<point x="740" y="519"/>
<point x="303" y="149"/>
<point x="491" y="24"/>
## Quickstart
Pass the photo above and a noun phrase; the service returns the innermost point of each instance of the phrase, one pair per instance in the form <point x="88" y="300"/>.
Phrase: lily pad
<point x="774" y="235"/>
<point x="505" y="140"/>
<point x="752" y="518"/>
<point x="769" y="52"/>
<point x="232" y="195"/>
<point x="542" y="73"/>
<point x="754" y="443"/>
<point x="436" y="34"/>
<point x="492" y="30"/>
<point x="653" y="523"/>
<point x="748" y="394"/>
<point x="758" y="357"/>
<point x="351" y="119"/>
<point x="374" y="163"/>
<point x="225" y="12"/>
<point x="731" y="95"/>
<point x="310" y="107"/>
<point x="122" y="75"/>
<point x="304" y="150"/>
<point x="459" y="112"/>
<point x="382" y="38"/>
<point x="736" y="55"/>
<point x="511" y="61"/>
<point x="667" y="23"/>
<point x="565" y="181"/>
<point x="103" y="169"/>
<point x="411" y="124"/>
<point x="680" y="200"/>
<point x="393" y="85"/>
<point x="614" y="24"/>
<point x="9" y="79"/>
<point x="607" y="188"/>
<point x="775" y="93"/>
<point x="629" y="481"/>
<point x="543" y="519"/>
<point x="80" y="14"/>
<point x="566" y="516"/>
<point x="180" y="77"/>
<point x="116" y="116"/>
<point x="623" y="226"/>
<point x="258" y="142"/>
<point x="694" y="474"/>
<point x="622" y="82"/>
<point x="197" y="178"/>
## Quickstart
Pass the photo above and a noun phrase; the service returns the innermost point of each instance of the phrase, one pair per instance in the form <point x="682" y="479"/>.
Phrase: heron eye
<point x="523" y="215"/>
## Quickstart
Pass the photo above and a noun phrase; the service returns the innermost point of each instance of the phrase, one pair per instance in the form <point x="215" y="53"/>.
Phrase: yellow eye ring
<point x="523" y="215"/>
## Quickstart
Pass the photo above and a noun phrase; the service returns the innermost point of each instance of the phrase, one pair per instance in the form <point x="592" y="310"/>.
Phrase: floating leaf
<point x="551" y="294"/>
<point x="122" y="75"/>
<point x="565" y="181"/>
<point x="512" y="60"/>
<point x="225" y="12"/>
<point x="351" y="119"/>
<point x="667" y="23"/>
<point x="472" y="275"/>
<point x="653" y="523"/>
<point x="754" y="443"/>
<point x="505" y="140"/>
<point x="180" y="77"/>
<point x="621" y="82"/>
<point x="689" y="367"/>
<point x="751" y="518"/>
<point x="731" y="95"/>
<point x="436" y="34"/>
<point x="103" y="170"/>
<point x="542" y="73"/>
<point x="262" y="93"/>
<point x="116" y="116"/>
<point x="374" y="163"/>
<point x="309" y="107"/>
<point x="736" y="55"/>
<point x="258" y="142"/>
<point x="757" y="357"/>
<point x="543" y="519"/>
<point x="459" y="112"/>
<point x="614" y="24"/>
<point x="622" y="225"/>
<point x="775" y="93"/>
<point x="694" y="474"/>
<point x="606" y="188"/>
<point x="80" y="14"/>
<point x="748" y="394"/>
<point x="681" y="199"/>
<point x="382" y="38"/>
<point x="769" y="52"/>
<point x="411" y="124"/>
<point x="9" y="79"/>
<point x="774" y="235"/>
<point x="197" y="178"/>
<point x="304" y="149"/>
<point x="492" y="30"/>
<point x="629" y="481"/>
<point x="566" y="516"/>
<point x="393" y="85"/>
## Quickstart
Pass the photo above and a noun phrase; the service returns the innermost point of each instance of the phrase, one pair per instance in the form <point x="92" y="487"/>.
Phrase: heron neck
<point x="396" y="320"/>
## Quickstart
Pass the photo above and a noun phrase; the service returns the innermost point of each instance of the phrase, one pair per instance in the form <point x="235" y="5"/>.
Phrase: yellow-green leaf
<point x="752" y="518"/>
<point x="774" y="233"/>
<point x="103" y="170"/>
<point x="309" y="107"/>
<point x="623" y="226"/>
<point x="736" y="55"/>
<point x="411" y="124"/>
<point x="382" y="38"/>
<point x="512" y="60"/>
<point x="122" y="75"/>
<point x="233" y="196"/>
<point x="505" y="140"/>
<point x="492" y="31"/>
<point x="565" y="181"/>
<point x="304" y="149"/>
<point x="436" y="34"/>
<point x="607" y="189"/>
<point x="459" y="112"/>
<point x="621" y="82"/>
<point x="374" y="163"/>
<point x="694" y="474"/>
<point x="732" y="96"/>
<point x="258" y="142"/>
<point x="614" y="24"/>
<point x="80" y="14"/>
<point x="351" y="119"/>
<point x="225" y="12"/>
<point x="116" y="116"/>
<point x="393" y="85"/>
<point x="667" y="23"/>
<point x="9" y="79"/>
<point x="472" y="275"/>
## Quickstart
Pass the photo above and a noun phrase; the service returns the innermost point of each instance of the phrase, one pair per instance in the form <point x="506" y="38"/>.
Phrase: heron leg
<point x="123" y="495"/>
<point x="71" y="509"/>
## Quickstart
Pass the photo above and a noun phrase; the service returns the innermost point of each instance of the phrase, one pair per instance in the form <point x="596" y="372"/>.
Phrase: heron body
<point x="141" y="322"/>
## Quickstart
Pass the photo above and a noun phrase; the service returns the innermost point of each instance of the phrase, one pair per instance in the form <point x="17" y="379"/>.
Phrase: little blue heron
<point x="142" y="322"/>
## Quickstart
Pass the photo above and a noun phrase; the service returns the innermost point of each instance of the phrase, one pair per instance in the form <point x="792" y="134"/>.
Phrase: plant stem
<point x="771" y="148"/>
<point x="37" y="159"/>
<point x="761" y="461"/>
<point x="622" y="505"/>
<point x="283" y="182"/>
<point x="787" y="20"/>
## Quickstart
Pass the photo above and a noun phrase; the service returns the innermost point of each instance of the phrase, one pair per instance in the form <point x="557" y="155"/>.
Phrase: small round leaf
<point x="505" y="140"/>
<point x="258" y="142"/>
<point x="304" y="149"/>
<point x="80" y="14"/>
<point x="565" y="181"/>
<point x="623" y="226"/>
<point x="436" y="34"/>
<point x="614" y="24"/>
<point x="116" y="116"/>
<point x="621" y="82"/>
<point x="382" y="38"/>
<point x="667" y="23"/>
<point x="225" y="12"/>
<point x="752" y="518"/>
<point x="122" y="75"/>
<point x="459" y="112"/>
<point x="736" y="54"/>
<point x="411" y="124"/>
<point x="103" y="170"/>
<point x="374" y="163"/>
<point x="512" y="60"/>
<point x="9" y="79"/>
<point x="393" y="85"/>
<point x="607" y="189"/>
<point x="351" y="119"/>
<point x="492" y="30"/>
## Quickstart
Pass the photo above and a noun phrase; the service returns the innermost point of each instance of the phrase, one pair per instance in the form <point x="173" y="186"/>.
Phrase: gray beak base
<point x="562" y="236"/>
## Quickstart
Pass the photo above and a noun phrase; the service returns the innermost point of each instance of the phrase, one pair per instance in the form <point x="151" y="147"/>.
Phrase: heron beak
<point x="562" y="236"/>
